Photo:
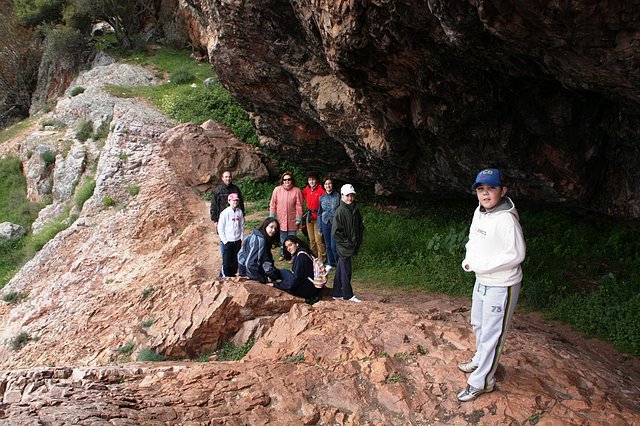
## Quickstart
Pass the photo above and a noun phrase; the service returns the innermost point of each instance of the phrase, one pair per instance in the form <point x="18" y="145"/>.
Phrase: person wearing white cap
<point x="230" y="230"/>
<point x="347" y="232"/>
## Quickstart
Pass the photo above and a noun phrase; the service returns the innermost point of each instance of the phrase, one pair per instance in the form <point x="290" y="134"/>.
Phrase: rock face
<point x="415" y="97"/>
<point x="383" y="362"/>
<point x="11" y="231"/>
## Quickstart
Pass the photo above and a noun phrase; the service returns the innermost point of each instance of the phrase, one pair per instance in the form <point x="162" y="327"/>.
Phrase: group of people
<point x="494" y="252"/>
<point x="332" y="221"/>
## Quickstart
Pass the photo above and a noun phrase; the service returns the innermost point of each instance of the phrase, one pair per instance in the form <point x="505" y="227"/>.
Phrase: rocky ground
<point x="141" y="274"/>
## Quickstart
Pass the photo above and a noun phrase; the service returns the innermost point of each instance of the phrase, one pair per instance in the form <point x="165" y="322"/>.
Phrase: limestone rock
<point x="11" y="231"/>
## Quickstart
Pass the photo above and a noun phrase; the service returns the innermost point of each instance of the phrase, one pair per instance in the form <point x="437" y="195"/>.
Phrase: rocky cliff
<point x="414" y="97"/>
<point x="137" y="272"/>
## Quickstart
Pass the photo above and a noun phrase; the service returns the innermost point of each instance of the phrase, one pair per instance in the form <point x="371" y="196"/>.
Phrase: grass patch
<point x="49" y="157"/>
<point x="83" y="193"/>
<point x="17" y="128"/>
<point x="185" y="103"/>
<point x="231" y="352"/>
<point x="84" y="130"/>
<point x="77" y="90"/>
<point x="13" y="297"/>
<point x="147" y="292"/>
<point x="148" y="354"/>
<point x="126" y="349"/>
<point x="19" y="341"/>
<point x="147" y="323"/>
<point x="108" y="201"/>
<point x="133" y="190"/>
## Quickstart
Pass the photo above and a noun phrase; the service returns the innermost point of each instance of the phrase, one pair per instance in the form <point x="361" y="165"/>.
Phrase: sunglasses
<point x="286" y="179"/>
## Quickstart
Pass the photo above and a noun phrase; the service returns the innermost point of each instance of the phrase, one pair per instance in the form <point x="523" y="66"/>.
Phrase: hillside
<point x="139" y="275"/>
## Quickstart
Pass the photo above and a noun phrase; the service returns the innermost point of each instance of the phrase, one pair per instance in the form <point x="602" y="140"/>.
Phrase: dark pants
<point x="230" y="258"/>
<point x="342" y="280"/>
<point x="329" y="244"/>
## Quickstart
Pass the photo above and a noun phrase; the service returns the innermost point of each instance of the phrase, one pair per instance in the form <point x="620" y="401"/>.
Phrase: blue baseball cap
<point x="490" y="177"/>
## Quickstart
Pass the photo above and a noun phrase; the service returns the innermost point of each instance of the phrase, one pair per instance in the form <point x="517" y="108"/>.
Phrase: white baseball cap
<point x="347" y="189"/>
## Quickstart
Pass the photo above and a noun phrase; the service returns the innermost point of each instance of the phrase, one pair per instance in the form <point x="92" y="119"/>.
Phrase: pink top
<point x="286" y="206"/>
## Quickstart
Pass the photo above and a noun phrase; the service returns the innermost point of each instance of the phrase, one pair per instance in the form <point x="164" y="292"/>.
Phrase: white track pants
<point x="491" y="313"/>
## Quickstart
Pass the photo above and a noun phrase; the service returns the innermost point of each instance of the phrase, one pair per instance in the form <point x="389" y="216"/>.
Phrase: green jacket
<point x="347" y="229"/>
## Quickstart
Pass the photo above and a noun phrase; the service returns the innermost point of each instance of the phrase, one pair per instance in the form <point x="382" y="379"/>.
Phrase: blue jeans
<point x="329" y="243"/>
<point x="230" y="258"/>
<point x="283" y="236"/>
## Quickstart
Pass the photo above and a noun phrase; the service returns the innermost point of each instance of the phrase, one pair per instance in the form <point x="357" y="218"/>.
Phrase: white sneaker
<point x="471" y="393"/>
<point x="337" y="298"/>
<point x="354" y="299"/>
<point x="328" y="268"/>
<point x="467" y="367"/>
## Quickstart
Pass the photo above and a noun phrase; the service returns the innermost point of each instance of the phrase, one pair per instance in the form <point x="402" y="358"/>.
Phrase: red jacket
<point x="312" y="197"/>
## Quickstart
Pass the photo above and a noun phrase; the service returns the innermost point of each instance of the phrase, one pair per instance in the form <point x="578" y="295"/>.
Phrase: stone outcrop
<point x="415" y="98"/>
<point x="386" y="361"/>
<point x="11" y="231"/>
<point x="194" y="152"/>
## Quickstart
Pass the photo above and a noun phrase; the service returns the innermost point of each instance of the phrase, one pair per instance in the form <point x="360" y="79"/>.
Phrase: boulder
<point x="199" y="155"/>
<point x="11" y="231"/>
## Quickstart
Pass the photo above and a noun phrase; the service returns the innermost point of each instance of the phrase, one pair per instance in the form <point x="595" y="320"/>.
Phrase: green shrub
<point x="82" y="194"/>
<point x="48" y="157"/>
<point x="133" y="190"/>
<point x="84" y="130"/>
<point x="108" y="201"/>
<point x="231" y="352"/>
<point x="13" y="297"/>
<point x="102" y="131"/>
<point x="147" y="292"/>
<point x="610" y="312"/>
<point x="126" y="349"/>
<point x="19" y="341"/>
<point x="148" y="354"/>
<point x="256" y="191"/>
<point x="14" y="206"/>
<point x="181" y="76"/>
<point x="77" y="90"/>
<point x="147" y="323"/>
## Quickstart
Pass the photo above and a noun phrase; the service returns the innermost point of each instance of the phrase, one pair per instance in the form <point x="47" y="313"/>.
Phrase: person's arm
<point x="299" y="271"/>
<point x="298" y="207"/>
<point x="319" y="214"/>
<point x="273" y="203"/>
<point x="215" y="209"/>
<point x="222" y="225"/>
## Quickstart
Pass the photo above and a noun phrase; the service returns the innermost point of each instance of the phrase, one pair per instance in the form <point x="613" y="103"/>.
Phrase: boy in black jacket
<point x="347" y="232"/>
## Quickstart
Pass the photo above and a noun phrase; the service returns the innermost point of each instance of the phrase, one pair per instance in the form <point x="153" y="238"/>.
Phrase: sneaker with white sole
<point x="467" y="367"/>
<point x="471" y="393"/>
<point x="337" y="298"/>
<point x="354" y="299"/>
<point x="328" y="268"/>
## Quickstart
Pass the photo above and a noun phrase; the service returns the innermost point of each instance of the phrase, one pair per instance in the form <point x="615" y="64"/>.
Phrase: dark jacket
<point x="255" y="260"/>
<point x="299" y="283"/>
<point x="219" y="200"/>
<point x="347" y="230"/>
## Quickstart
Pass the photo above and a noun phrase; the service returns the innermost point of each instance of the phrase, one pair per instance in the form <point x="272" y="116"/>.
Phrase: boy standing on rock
<point x="494" y="252"/>
<point x="347" y="232"/>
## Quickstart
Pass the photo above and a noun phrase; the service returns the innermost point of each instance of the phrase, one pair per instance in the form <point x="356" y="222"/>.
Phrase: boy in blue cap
<point x="494" y="252"/>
